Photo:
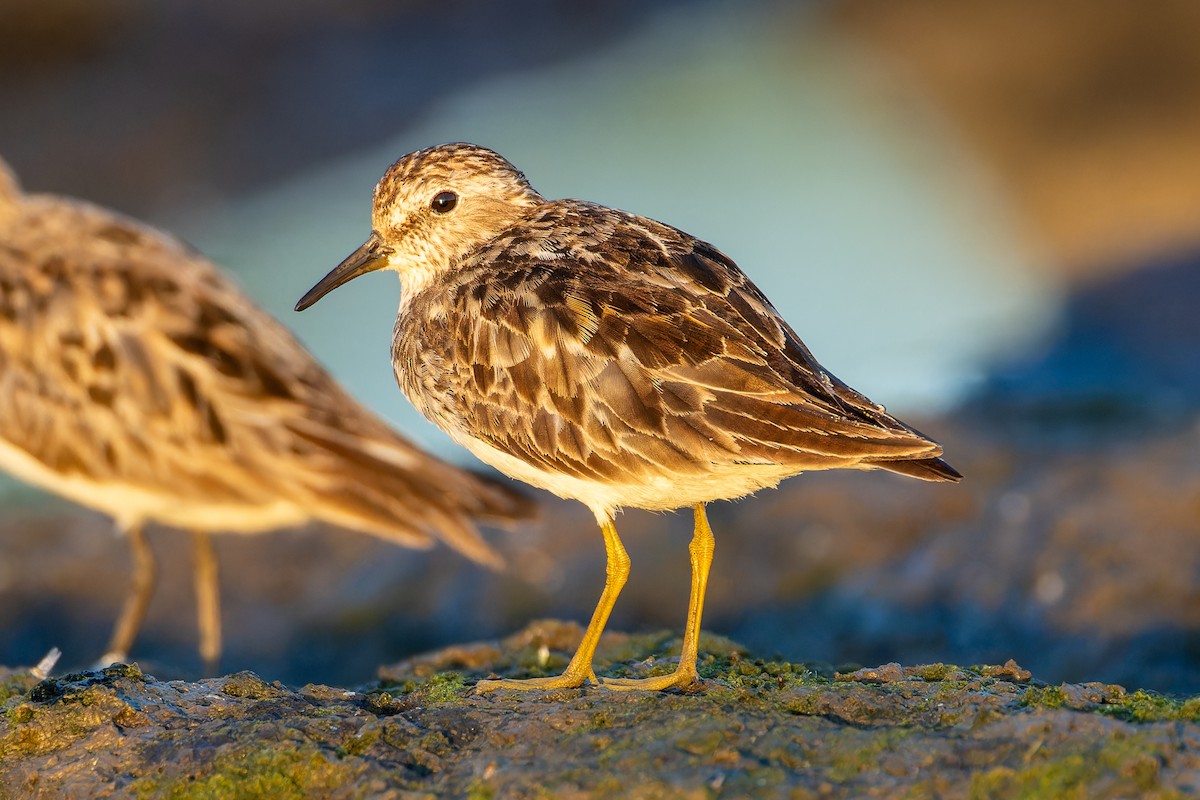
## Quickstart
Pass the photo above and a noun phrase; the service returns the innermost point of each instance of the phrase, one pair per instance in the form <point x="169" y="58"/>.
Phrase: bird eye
<point x="443" y="202"/>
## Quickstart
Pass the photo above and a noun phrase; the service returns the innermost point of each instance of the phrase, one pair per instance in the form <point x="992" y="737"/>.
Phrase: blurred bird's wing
<point x="142" y="363"/>
<point x="97" y="380"/>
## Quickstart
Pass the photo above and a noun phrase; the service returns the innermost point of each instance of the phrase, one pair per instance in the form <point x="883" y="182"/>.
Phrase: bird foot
<point x="568" y="680"/>
<point x="682" y="679"/>
<point x="110" y="658"/>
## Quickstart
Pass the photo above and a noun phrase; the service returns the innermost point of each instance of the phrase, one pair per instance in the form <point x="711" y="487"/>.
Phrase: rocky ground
<point x="758" y="727"/>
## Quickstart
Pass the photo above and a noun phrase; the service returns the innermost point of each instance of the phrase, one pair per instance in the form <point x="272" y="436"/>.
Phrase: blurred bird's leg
<point x="145" y="576"/>
<point x="579" y="671"/>
<point x="685" y="675"/>
<point x="208" y="600"/>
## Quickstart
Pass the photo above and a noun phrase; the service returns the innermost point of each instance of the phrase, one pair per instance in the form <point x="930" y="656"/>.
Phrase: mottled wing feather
<point x="607" y="357"/>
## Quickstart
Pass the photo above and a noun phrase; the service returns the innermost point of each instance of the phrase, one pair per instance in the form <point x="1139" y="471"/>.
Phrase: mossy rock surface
<point x="758" y="728"/>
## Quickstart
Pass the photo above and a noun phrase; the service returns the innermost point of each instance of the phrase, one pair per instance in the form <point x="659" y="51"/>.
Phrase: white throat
<point x="415" y="275"/>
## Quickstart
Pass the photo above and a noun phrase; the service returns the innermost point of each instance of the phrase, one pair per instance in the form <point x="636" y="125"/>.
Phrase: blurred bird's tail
<point x="389" y="488"/>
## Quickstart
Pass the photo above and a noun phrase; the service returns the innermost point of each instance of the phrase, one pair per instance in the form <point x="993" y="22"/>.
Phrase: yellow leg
<point x="208" y="600"/>
<point x="701" y="552"/>
<point x="579" y="671"/>
<point x="145" y="576"/>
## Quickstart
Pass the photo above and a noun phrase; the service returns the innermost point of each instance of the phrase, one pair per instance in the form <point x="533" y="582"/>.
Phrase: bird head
<point x="432" y="208"/>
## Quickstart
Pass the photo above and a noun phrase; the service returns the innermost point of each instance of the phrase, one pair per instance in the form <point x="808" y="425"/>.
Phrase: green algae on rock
<point x="762" y="728"/>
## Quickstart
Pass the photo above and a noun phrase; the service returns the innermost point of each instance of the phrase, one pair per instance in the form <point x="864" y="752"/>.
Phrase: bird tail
<point x="927" y="469"/>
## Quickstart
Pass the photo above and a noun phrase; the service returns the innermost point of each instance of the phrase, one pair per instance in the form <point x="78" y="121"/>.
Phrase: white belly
<point x="658" y="493"/>
<point x="129" y="504"/>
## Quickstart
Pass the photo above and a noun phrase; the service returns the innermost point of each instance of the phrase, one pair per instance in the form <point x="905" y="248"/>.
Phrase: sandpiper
<point x="606" y="357"/>
<point x="137" y="379"/>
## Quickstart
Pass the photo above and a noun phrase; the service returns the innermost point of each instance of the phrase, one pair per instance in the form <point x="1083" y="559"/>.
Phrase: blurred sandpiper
<point x="137" y="379"/>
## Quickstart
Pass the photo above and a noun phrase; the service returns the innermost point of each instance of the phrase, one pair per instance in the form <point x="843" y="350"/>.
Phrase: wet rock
<point x="762" y="728"/>
<point x="888" y="673"/>
<point x="1010" y="670"/>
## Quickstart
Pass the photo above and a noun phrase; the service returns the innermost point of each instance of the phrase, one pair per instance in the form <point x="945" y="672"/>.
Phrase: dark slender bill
<point x="367" y="258"/>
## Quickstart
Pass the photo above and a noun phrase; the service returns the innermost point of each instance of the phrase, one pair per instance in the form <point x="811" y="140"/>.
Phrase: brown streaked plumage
<point x="139" y="380"/>
<point x="606" y="357"/>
